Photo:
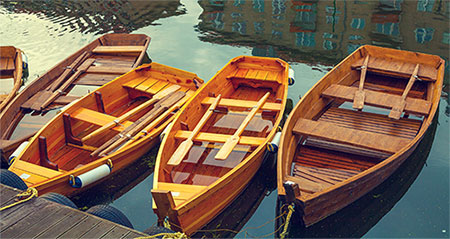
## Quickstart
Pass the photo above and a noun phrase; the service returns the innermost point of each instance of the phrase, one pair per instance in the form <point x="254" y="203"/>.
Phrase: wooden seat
<point x="242" y="103"/>
<point x="97" y="118"/>
<point x="255" y="78"/>
<point x="401" y="69"/>
<point x="181" y="192"/>
<point x="118" y="49"/>
<point x="364" y="139"/>
<point x="371" y="122"/>
<point x="7" y="64"/>
<point x="219" y="138"/>
<point x="378" y="99"/>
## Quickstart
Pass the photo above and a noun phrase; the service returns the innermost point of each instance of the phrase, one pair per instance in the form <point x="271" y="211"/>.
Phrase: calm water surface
<point x="312" y="36"/>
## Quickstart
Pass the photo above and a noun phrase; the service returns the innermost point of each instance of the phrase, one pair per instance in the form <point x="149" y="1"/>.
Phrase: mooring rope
<point x="29" y="193"/>
<point x="166" y="235"/>
<point x="288" y="219"/>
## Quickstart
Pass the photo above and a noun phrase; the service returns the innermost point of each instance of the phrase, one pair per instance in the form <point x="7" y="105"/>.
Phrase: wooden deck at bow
<point x="40" y="218"/>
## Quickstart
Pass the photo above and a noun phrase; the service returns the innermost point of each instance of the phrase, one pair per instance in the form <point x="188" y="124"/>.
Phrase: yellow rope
<point x="288" y="219"/>
<point x="174" y="235"/>
<point x="30" y="193"/>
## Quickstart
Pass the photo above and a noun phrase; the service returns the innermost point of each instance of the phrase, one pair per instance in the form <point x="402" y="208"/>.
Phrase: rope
<point x="288" y="219"/>
<point x="175" y="235"/>
<point x="30" y="193"/>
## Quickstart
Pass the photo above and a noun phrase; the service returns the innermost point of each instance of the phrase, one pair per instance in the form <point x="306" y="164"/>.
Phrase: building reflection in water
<point x="326" y="31"/>
<point x="99" y="17"/>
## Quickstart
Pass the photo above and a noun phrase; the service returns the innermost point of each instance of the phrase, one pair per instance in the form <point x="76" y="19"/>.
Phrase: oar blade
<point x="358" y="100"/>
<point x="180" y="152"/>
<point x="166" y="91"/>
<point x="227" y="148"/>
<point x="397" y="110"/>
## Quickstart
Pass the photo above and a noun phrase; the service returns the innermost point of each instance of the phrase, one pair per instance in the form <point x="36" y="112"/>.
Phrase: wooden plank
<point x="241" y="72"/>
<point x="379" y="99"/>
<point x="79" y="229"/>
<point x="109" y="69"/>
<point x="132" y="112"/>
<point x="39" y="228"/>
<point x="61" y="226"/>
<point x="181" y="191"/>
<point x="147" y="83"/>
<point x="118" y="49"/>
<point x="395" y="68"/>
<point x="97" y="118"/>
<point x="157" y="87"/>
<point x="15" y="214"/>
<point x="220" y="138"/>
<point x="358" y="100"/>
<point x="165" y="205"/>
<point x="399" y="106"/>
<point x="186" y="145"/>
<point x="66" y="99"/>
<point x="242" y="103"/>
<point x="116" y="232"/>
<point x="135" y="82"/>
<point x="36" y="169"/>
<point x="234" y="139"/>
<point x="95" y="79"/>
<point x="98" y="230"/>
<point x="29" y="220"/>
<point x="332" y="132"/>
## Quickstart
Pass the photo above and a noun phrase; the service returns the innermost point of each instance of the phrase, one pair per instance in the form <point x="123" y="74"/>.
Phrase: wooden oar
<point x="186" y="145"/>
<point x="138" y="125"/>
<point x="51" y="96"/>
<point x="358" y="101"/>
<point x="398" y="108"/>
<point x="132" y="112"/>
<point x="234" y="139"/>
<point x="148" y="129"/>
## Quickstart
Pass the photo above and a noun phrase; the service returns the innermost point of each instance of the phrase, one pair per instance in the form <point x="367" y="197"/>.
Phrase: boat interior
<point x="337" y="141"/>
<point x="237" y="89"/>
<point x="97" y="64"/>
<point x="60" y="147"/>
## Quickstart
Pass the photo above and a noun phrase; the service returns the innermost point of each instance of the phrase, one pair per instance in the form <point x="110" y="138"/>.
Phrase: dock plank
<point x="40" y="218"/>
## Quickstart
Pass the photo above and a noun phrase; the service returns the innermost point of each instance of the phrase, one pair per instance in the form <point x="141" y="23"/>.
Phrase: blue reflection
<point x="424" y="35"/>
<point x="358" y="23"/>
<point x="388" y="28"/>
<point x="425" y="5"/>
<point x="305" y="39"/>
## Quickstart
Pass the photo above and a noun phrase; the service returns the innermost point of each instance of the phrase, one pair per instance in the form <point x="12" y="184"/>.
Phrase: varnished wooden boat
<point x="11" y="66"/>
<point x="355" y="127"/>
<point x="97" y="63"/>
<point x="216" y="143"/>
<point x="112" y="126"/>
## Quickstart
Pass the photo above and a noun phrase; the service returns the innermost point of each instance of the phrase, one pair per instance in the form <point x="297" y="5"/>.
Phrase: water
<point x="312" y="36"/>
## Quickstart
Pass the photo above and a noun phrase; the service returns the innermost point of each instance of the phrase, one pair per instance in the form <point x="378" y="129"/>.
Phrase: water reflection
<point x="99" y="17"/>
<point x="360" y="216"/>
<point x="326" y="31"/>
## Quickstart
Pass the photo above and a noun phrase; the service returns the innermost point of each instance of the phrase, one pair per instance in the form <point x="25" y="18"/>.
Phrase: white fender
<point x="17" y="152"/>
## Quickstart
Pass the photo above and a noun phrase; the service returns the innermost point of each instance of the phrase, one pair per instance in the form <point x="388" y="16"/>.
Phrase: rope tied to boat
<point x="166" y="235"/>
<point x="288" y="219"/>
<point x="29" y="194"/>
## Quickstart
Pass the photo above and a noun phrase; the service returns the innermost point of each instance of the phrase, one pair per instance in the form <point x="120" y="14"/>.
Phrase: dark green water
<point x="312" y="36"/>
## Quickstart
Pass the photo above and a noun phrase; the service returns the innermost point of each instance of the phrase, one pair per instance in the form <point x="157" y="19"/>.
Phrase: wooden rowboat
<point x="104" y="131"/>
<point x="97" y="63"/>
<point x="11" y="66"/>
<point x="355" y="127"/>
<point x="216" y="143"/>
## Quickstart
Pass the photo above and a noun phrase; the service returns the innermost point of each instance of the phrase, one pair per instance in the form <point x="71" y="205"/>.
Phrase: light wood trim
<point x="186" y="145"/>
<point x="358" y="101"/>
<point x="234" y="139"/>
<point x="118" y="49"/>
<point x="97" y="118"/>
<point x="36" y="169"/>
<point x="242" y="103"/>
<point x="335" y="133"/>
<point x="398" y="108"/>
<point x="379" y="99"/>
<point x="219" y="138"/>
<point x="132" y="112"/>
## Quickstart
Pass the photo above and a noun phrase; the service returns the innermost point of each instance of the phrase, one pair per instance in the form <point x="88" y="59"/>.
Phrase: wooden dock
<point x="40" y="218"/>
